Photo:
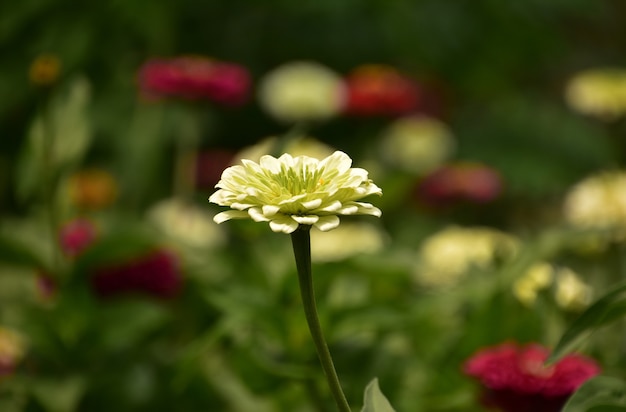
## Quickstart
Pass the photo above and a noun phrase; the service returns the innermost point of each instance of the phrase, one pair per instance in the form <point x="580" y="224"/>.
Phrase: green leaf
<point x="599" y="394"/>
<point x="59" y="394"/>
<point x="374" y="399"/>
<point x="607" y="309"/>
<point x="16" y="253"/>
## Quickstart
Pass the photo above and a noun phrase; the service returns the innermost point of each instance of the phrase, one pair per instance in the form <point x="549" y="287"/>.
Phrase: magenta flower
<point x="195" y="78"/>
<point x="76" y="235"/>
<point x="155" y="274"/>
<point x="462" y="181"/>
<point x="515" y="379"/>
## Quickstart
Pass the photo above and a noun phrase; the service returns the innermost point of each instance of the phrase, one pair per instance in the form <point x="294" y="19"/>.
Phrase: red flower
<point x="76" y="236"/>
<point x="195" y="78"/>
<point x="471" y="182"/>
<point x="515" y="379"/>
<point x="156" y="274"/>
<point x="380" y="90"/>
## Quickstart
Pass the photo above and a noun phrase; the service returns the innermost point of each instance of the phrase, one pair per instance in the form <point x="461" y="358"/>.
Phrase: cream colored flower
<point x="348" y="240"/>
<point x="599" y="92"/>
<point x="302" y="91"/>
<point x="186" y="224"/>
<point x="300" y="146"/>
<point x="537" y="278"/>
<point x="571" y="293"/>
<point x="449" y="254"/>
<point x="417" y="144"/>
<point x="598" y="202"/>
<point x="288" y="191"/>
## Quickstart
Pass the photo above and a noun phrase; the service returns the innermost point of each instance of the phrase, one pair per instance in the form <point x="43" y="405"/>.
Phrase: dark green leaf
<point x="13" y="252"/>
<point x="607" y="309"/>
<point x="600" y="394"/>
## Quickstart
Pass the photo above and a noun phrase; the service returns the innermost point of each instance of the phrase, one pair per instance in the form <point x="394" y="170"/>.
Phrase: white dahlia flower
<point x="290" y="191"/>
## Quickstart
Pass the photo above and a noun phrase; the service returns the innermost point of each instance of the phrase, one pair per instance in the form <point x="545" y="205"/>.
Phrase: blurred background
<point x="494" y="128"/>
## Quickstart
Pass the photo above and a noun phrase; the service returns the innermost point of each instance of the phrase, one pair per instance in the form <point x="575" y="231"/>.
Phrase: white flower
<point x="571" y="292"/>
<point x="417" y="144"/>
<point x="302" y="91"/>
<point x="348" y="240"/>
<point x="288" y="191"/>
<point x="537" y="277"/>
<point x="186" y="224"/>
<point x="446" y="256"/>
<point x="598" y="202"/>
<point x="299" y="146"/>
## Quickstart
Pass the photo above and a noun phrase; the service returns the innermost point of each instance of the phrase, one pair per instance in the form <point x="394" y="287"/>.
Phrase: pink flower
<point x="461" y="181"/>
<point x="156" y="274"/>
<point x="381" y="90"/>
<point x="195" y="78"/>
<point x="76" y="235"/>
<point x="515" y="379"/>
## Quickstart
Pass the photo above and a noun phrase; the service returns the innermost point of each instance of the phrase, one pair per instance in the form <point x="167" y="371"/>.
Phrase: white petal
<point x="338" y="161"/>
<point x="368" y="209"/>
<point x="257" y="215"/>
<point x="326" y="223"/>
<point x="284" y="224"/>
<point x="349" y="209"/>
<point x="334" y="206"/>
<point x="270" y="210"/>
<point x="306" y="220"/>
<point x="240" y="206"/>
<point x="270" y="163"/>
<point x="229" y="214"/>
<point x="312" y="204"/>
<point x="217" y="197"/>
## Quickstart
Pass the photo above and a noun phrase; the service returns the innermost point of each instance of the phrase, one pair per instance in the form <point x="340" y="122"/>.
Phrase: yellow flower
<point x="348" y="240"/>
<point x="598" y="202"/>
<point x="599" y="92"/>
<point x="302" y="91"/>
<point x="450" y="253"/>
<point x="92" y="189"/>
<point x="571" y="293"/>
<point x="417" y="144"/>
<point x="288" y="191"/>
<point x="537" y="278"/>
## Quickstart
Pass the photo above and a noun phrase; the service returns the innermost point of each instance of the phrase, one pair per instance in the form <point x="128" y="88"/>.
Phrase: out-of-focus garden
<point x="495" y="130"/>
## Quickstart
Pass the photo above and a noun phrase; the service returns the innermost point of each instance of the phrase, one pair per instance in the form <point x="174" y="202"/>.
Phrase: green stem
<point x="301" y="241"/>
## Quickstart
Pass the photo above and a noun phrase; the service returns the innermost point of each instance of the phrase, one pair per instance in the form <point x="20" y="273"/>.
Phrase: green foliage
<point x="374" y="399"/>
<point x="600" y="394"/>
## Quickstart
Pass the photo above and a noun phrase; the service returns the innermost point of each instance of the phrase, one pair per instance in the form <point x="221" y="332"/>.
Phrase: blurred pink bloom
<point x="47" y="287"/>
<point x="155" y="274"/>
<point x="76" y="235"/>
<point x="375" y="90"/>
<point x="461" y="181"/>
<point x="515" y="379"/>
<point x="195" y="78"/>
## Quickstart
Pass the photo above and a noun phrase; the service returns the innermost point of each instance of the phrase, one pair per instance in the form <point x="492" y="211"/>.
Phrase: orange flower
<point x="45" y="70"/>
<point x="92" y="189"/>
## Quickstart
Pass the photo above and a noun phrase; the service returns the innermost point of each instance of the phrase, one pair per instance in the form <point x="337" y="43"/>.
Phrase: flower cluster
<point x="194" y="78"/>
<point x="155" y="274"/>
<point x="598" y="92"/>
<point x="461" y="181"/>
<point x="380" y="90"/>
<point x="515" y="379"/>
<point x="288" y="192"/>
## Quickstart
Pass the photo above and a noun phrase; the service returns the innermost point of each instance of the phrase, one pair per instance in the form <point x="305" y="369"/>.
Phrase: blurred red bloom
<point x="155" y="274"/>
<point x="195" y="78"/>
<point x="515" y="379"/>
<point x="463" y="181"/>
<point x="209" y="166"/>
<point x="380" y="90"/>
<point x="77" y="235"/>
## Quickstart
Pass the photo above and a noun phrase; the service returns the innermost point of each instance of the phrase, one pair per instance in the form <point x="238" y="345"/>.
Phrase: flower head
<point x="12" y="350"/>
<point x="194" y="78"/>
<point x="598" y="92"/>
<point x="288" y="191"/>
<point x="599" y="202"/>
<point x="45" y="70"/>
<point x="302" y="91"/>
<point x="156" y="274"/>
<point x="381" y="90"/>
<point x="92" y="189"/>
<point x="76" y="235"/>
<point x="515" y="379"/>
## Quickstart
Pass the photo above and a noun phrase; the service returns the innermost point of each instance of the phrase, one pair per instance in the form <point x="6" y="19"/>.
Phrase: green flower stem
<point x="301" y="241"/>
